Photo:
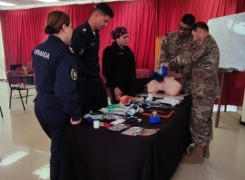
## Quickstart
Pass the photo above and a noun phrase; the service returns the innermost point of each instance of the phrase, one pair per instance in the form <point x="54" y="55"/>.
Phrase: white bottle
<point x="150" y="96"/>
<point x="96" y="124"/>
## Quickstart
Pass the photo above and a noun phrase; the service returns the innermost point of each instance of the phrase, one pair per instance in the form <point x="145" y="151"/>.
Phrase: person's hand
<point x="174" y="74"/>
<point x="117" y="92"/>
<point x="165" y="64"/>
<point x="75" y="122"/>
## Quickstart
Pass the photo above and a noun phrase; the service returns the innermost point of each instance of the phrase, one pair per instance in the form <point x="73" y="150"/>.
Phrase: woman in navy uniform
<point x="57" y="101"/>
<point x="118" y="64"/>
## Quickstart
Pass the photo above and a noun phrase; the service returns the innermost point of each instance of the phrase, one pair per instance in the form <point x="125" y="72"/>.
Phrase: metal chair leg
<point x="22" y="101"/>
<point x="1" y="111"/>
<point x="10" y="98"/>
<point x="27" y="95"/>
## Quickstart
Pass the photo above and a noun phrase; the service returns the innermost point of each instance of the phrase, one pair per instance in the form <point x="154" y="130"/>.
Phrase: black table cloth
<point x="101" y="154"/>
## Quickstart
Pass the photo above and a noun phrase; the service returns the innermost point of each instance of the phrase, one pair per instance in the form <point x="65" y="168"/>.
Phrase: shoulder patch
<point x="200" y="44"/>
<point x="74" y="74"/>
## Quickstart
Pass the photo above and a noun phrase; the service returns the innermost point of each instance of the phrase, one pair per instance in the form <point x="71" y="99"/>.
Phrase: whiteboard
<point x="229" y="33"/>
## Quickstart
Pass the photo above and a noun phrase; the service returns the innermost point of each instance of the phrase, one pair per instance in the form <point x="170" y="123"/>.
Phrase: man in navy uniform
<point x="86" y="43"/>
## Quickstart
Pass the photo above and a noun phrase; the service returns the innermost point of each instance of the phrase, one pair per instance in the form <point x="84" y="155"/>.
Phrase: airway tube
<point x="96" y="124"/>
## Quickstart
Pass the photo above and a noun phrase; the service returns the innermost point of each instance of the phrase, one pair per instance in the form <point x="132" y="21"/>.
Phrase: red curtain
<point x="145" y="19"/>
<point x="171" y="11"/>
<point x="233" y="88"/>
<point x="23" y="29"/>
<point x="139" y="18"/>
<point x="240" y="6"/>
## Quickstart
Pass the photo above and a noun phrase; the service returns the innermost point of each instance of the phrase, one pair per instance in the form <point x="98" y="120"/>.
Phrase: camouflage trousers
<point x="187" y="87"/>
<point x="201" y="125"/>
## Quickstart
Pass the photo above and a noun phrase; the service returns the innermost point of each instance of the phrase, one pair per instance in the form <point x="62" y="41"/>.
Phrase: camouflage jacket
<point x="204" y="58"/>
<point x="171" y="46"/>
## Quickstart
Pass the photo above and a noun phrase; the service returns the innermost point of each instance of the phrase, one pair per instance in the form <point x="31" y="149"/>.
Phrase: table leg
<point x="1" y="112"/>
<point x="242" y="118"/>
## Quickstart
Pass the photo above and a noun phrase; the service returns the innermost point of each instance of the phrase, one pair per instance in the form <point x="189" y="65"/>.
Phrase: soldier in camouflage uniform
<point x="203" y="56"/>
<point x="175" y="43"/>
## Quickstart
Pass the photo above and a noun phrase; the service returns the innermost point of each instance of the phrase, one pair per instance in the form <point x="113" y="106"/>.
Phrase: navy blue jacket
<point x="56" y="67"/>
<point x="86" y="46"/>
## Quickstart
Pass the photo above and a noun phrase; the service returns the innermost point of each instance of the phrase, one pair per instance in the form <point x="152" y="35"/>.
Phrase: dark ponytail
<point x="49" y="30"/>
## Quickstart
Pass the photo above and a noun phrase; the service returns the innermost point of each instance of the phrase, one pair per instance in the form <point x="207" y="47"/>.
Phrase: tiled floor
<point x="24" y="148"/>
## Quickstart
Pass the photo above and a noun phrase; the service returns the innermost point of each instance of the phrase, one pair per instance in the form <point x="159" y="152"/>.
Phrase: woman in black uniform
<point x="118" y="64"/>
<point x="57" y="101"/>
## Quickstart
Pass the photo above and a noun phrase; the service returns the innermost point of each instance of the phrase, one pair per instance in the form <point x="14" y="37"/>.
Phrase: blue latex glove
<point x="160" y="73"/>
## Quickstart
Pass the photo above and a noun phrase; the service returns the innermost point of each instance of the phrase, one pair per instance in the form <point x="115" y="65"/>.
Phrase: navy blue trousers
<point x="52" y="121"/>
<point x="93" y="94"/>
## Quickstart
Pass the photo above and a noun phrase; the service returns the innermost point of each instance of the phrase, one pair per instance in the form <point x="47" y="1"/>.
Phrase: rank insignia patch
<point x="74" y="74"/>
<point x="81" y="51"/>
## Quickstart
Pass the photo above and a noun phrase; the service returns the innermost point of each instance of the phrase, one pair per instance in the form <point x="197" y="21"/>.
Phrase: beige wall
<point x="2" y="63"/>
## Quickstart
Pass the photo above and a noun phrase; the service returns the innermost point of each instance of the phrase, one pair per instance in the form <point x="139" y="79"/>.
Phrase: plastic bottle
<point x="150" y="96"/>
<point x="25" y="70"/>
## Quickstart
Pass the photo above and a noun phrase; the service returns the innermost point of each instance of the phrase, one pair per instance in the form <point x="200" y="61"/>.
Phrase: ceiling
<point x="26" y="4"/>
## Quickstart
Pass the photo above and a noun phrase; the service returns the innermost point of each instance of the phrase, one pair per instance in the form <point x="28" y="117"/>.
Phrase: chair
<point x="31" y="80"/>
<point x="142" y="73"/>
<point x="17" y="81"/>
<point x="1" y="111"/>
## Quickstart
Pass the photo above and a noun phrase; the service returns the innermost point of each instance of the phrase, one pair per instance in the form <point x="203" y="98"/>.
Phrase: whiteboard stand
<point x="242" y="121"/>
